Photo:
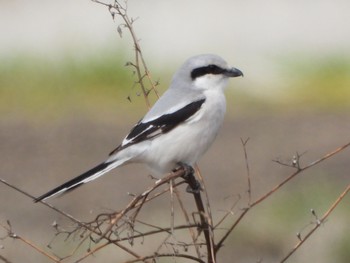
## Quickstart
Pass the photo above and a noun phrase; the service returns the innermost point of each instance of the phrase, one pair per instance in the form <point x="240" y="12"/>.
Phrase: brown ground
<point x="36" y="157"/>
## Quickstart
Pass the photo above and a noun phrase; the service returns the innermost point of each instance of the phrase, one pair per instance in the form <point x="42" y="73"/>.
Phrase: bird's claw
<point x="196" y="190"/>
<point x="194" y="187"/>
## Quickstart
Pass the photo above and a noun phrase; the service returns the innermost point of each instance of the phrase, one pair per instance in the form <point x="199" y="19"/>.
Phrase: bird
<point x="178" y="129"/>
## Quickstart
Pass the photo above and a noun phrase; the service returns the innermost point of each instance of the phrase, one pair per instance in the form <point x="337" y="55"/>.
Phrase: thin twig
<point x="13" y="235"/>
<point x="229" y="231"/>
<point x="91" y="252"/>
<point x="167" y="256"/>
<point x="230" y="212"/>
<point x="188" y="222"/>
<point x="43" y="202"/>
<point x="318" y="223"/>
<point x="276" y="188"/>
<point x="244" y="143"/>
<point x="300" y="170"/>
<point x="140" y="62"/>
<point x="172" y="213"/>
<point x="161" y="230"/>
<point x="78" y="222"/>
<point x="132" y="204"/>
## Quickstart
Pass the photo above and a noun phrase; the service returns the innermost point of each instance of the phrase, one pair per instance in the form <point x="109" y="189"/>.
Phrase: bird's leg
<point x="193" y="185"/>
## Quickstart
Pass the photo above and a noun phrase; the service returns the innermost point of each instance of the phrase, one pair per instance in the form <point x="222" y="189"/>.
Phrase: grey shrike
<point x="179" y="128"/>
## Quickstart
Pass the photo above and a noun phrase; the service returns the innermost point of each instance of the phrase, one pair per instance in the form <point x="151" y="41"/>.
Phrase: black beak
<point x="233" y="72"/>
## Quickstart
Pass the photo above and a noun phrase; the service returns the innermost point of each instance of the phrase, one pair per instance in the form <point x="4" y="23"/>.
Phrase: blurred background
<point x="64" y="106"/>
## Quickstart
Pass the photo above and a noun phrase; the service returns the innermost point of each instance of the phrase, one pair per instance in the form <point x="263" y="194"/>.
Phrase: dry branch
<point x="139" y="64"/>
<point x="318" y="223"/>
<point x="259" y="200"/>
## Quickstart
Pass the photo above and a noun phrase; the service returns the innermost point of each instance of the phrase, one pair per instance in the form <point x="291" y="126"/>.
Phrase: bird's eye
<point x="213" y="69"/>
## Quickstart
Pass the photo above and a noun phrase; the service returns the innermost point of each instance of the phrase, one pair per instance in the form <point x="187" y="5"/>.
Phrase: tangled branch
<point x="122" y="226"/>
<point x="259" y="200"/>
<point x="121" y="10"/>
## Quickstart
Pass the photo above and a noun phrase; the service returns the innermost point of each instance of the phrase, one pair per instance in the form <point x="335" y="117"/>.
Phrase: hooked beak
<point x="233" y="72"/>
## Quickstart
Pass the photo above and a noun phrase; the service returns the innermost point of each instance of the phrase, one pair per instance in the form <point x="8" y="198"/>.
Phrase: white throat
<point x="209" y="81"/>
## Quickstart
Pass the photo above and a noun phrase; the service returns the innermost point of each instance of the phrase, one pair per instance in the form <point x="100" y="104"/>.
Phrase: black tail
<point x="78" y="181"/>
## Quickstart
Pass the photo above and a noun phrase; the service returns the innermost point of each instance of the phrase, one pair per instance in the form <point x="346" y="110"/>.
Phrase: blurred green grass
<point x="319" y="82"/>
<point x="36" y="86"/>
<point x="44" y="87"/>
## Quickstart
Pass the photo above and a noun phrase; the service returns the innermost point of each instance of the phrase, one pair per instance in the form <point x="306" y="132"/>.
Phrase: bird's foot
<point x="194" y="187"/>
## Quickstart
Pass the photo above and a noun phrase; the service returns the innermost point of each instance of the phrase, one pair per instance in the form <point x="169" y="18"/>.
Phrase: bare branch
<point x="187" y="218"/>
<point x="93" y="251"/>
<point x="294" y="163"/>
<point x="230" y="212"/>
<point x="276" y="188"/>
<point x="140" y="63"/>
<point x="244" y="143"/>
<point x="318" y="223"/>
<point x="168" y="256"/>
<point x="325" y="157"/>
<point x="28" y="242"/>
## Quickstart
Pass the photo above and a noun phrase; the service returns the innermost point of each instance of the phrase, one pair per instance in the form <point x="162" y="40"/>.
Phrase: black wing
<point x="163" y="124"/>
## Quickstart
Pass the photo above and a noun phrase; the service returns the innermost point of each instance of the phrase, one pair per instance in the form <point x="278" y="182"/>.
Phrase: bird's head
<point x="206" y="72"/>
